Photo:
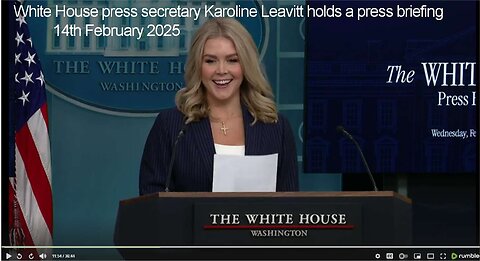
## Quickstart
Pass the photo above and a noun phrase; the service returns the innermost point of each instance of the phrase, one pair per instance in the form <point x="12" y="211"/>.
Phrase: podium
<point x="265" y="219"/>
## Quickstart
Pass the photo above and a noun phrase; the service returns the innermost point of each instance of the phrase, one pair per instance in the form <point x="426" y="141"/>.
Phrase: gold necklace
<point x="224" y="129"/>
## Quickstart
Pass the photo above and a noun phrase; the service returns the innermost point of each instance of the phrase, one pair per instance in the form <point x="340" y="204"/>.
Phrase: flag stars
<point x="17" y="58"/>
<point x="16" y="78"/>
<point x="30" y="59"/>
<point x="19" y="39"/>
<point x="27" y="78"/>
<point x="30" y="41"/>
<point x="41" y="78"/>
<point x="21" y="20"/>
<point x="24" y="97"/>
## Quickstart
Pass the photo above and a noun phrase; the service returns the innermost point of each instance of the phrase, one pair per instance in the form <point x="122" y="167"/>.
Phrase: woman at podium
<point x="226" y="107"/>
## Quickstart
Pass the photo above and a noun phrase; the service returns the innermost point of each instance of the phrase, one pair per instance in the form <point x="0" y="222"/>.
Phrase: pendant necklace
<point x="224" y="128"/>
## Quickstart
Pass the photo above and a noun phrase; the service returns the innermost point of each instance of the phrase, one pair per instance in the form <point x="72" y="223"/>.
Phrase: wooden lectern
<point x="265" y="219"/>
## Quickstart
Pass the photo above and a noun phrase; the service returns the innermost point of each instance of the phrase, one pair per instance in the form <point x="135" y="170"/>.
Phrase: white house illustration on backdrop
<point x="124" y="45"/>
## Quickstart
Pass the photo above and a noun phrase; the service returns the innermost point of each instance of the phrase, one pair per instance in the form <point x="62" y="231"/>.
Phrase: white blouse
<point x="230" y="149"/>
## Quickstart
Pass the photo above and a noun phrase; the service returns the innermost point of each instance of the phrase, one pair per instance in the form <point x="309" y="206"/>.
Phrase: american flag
<point x="30" y="190"/>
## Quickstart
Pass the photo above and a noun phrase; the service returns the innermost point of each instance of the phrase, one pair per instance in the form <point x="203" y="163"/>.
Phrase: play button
<point x="7" y="256"/>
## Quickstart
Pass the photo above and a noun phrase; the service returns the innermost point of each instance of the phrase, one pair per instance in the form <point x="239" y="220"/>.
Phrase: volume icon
<point x="43" y="255"/>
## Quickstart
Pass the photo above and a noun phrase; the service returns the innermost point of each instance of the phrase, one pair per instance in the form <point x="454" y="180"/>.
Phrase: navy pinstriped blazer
<point x="193" y="165"/>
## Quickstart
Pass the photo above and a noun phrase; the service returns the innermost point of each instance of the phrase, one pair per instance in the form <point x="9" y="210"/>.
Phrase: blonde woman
<point x="226" y="107"/>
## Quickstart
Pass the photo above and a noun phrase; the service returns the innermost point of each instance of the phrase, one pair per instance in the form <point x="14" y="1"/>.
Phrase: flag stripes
<point x="34" y="171"/>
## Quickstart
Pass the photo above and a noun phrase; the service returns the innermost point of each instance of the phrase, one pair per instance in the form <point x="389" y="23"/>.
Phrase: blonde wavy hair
<point x="256" y="92"/>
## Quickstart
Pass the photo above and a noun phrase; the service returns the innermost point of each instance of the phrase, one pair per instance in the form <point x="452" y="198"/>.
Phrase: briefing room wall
<point x="95" y="163"/>
<point x="96" y="151"/>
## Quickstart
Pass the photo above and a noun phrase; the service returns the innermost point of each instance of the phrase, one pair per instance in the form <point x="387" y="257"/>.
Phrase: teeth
<point x="222" y="82"/>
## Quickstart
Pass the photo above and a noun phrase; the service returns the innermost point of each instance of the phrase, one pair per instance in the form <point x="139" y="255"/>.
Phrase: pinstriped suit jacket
<point x="193" y="165"/>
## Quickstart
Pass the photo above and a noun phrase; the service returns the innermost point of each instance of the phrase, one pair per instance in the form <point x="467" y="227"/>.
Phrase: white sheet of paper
<point x="250" y="173"/>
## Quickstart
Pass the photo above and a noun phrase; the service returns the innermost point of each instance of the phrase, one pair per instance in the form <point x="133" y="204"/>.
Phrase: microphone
<point x="350" y="137"/>
<point x="172" y="159"/>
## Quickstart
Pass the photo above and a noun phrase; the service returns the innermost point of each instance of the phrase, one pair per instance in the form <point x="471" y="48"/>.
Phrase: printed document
<point x="232" y="173"/>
